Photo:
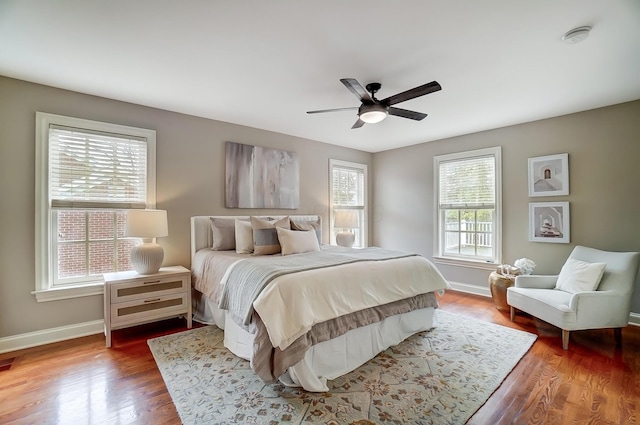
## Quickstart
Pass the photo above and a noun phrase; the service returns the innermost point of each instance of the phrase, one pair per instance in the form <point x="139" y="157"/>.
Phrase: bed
<point x="304" y="313"/>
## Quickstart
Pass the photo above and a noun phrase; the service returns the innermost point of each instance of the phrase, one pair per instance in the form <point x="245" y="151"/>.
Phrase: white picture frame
<point x="549" y="222"/>
<point x="549" y="175"/>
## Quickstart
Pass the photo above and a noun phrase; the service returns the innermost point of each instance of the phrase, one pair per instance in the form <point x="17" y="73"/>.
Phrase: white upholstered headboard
<point x="201" y="235"/>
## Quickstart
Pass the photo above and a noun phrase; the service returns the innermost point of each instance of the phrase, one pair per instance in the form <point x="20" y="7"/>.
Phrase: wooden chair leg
<point x="512" y="313"/>
<point x="565" y="339"/>
<point x="617" y="333"/>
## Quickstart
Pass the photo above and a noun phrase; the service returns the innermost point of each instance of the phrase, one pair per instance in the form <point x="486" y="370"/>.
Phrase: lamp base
<point x="147" y="258"/>
<point x="345" y="239"/>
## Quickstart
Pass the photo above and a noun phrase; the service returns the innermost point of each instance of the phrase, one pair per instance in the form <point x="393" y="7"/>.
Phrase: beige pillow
<point x="297" y="242"/>
<point x="579" y="276"/>
<point x="244" y="237"/>
<point x="265" y="236"/>
<point x="224" y="234"/>
<point x="316" y="226"/>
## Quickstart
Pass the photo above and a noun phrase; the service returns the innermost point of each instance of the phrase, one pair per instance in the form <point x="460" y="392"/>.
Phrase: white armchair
<point x="572" y="308"/>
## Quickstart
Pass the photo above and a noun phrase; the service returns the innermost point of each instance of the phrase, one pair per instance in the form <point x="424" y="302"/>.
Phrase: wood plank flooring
<point x="82" y="382"/>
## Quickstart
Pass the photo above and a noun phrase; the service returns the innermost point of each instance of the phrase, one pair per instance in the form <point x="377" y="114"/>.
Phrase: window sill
<point x="55" y="294"/>
<point x="481" y="265"/>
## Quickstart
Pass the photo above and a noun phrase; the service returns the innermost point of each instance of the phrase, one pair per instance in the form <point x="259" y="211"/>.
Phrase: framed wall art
<point x="549" y="175"/>
<point x="258" y="177"/>
<point x="549" y="222"/>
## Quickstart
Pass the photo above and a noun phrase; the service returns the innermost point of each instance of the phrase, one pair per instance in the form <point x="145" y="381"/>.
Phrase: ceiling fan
<point x="373" y="110"/>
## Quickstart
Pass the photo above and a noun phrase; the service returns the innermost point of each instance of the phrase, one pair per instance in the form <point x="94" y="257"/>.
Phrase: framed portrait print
<point x="549" y="175"/>
<point x="549" y="222"/>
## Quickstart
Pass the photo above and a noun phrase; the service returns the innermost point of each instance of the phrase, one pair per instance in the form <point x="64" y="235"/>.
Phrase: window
<point x="468" y="200"/>
<point x="88" y="174"/>
<point x="349" y="193"/>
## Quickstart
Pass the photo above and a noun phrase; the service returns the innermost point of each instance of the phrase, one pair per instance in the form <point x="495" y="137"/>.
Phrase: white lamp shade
<point x="346" y="219"/>
<point x="146" y="224"/>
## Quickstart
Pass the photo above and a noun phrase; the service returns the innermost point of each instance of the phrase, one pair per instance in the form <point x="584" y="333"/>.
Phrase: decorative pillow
<point x="579" y="276"/>
<point x="265" y="235"/>
<point x="224" y="234"/>
<point x="297" y="242"/>
<point x="244" y="237"/>
<point x="316" y="226"/>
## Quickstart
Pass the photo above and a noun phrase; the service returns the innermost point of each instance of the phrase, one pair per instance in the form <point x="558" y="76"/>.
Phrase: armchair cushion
<point x="579" y="276"/>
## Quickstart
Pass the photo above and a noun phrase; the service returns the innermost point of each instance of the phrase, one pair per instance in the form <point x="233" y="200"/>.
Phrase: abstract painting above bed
<point x="258" y="177"/>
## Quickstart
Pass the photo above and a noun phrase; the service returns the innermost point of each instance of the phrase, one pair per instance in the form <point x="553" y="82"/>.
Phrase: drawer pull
<point x="155" y="300"/>
<point x="152" y="281"/>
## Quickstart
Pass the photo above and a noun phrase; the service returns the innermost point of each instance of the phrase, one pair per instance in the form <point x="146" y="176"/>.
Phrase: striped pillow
<point x="265" y="235"/>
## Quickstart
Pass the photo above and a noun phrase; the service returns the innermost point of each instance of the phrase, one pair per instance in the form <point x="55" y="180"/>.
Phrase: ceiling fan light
<point x="372" y="114"/>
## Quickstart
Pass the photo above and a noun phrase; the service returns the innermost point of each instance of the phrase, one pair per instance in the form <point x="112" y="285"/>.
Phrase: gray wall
<point x="603" y="147"/>
<point x="190" y="181"/>
<point x="604" y="154"/>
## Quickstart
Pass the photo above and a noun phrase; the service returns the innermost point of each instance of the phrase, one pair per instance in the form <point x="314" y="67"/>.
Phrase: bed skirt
<point x="329" y="359"/>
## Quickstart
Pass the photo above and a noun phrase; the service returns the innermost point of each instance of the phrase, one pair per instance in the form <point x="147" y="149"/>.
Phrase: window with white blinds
<point x="468" y="183"/>
<point x="88" y="174"/>
<point x="348" y="193"/>
<point x="89" y="169"/>
<point x="468" y="203"/>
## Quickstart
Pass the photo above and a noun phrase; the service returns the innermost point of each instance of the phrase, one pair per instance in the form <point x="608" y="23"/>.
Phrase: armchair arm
<point x="536" y="281"/>
<point x="600" y="309"/>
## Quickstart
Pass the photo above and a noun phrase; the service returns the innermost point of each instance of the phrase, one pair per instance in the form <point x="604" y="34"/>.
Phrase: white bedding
<point x="291" y="304"/>
<point x="286" y="317"/>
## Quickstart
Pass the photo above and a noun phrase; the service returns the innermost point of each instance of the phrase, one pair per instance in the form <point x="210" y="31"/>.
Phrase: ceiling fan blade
<point x="356" y="88"/>
<point x="404" y="113"/>
<point x="358" y="124"/>
<point x="352" y="108"/>
<point x="411" y="94"/>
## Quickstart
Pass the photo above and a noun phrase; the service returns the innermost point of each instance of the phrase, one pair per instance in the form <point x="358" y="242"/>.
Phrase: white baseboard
<point x="470" y="289"/>
<point x="47" y="336"/>
<point x="634" y="319"/>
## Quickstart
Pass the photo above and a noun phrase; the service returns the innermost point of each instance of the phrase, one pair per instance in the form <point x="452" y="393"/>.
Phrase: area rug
<point x="440" y="376"/>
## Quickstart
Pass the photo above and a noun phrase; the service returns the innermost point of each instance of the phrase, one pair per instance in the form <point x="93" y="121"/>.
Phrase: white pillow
<point x="297" y="241"/>
<point x="579" y="276"/>
<point x="244" y="237"/>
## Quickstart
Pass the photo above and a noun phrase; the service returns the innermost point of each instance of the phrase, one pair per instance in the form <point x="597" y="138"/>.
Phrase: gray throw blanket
<point x="247" y="278"/>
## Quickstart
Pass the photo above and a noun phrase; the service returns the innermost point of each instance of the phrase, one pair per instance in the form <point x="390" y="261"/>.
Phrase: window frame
<point x="439" y="252"/>
<point x="364" y="225"/>
<point x="45" y="290"/>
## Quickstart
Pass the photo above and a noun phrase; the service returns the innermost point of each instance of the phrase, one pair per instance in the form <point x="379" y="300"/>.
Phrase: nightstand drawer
<point x="150" y="308"/>
<point x="147" y="288"/>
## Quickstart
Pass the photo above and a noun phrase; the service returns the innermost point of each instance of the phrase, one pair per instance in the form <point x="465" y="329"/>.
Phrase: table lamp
<point x="345" y="219"/>
<point x="147" y="225"/>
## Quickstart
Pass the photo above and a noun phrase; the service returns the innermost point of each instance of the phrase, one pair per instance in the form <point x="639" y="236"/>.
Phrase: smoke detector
<point x="576" y="35"/>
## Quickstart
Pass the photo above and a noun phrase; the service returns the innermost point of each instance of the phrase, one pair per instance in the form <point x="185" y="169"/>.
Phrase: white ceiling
<point x="264" y="64"/>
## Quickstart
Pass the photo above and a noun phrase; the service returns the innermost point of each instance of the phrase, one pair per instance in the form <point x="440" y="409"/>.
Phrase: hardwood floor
<point x="82" y="382"/>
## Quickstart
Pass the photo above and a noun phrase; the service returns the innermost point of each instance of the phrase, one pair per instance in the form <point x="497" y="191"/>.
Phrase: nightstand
<point x="133" y="299"/>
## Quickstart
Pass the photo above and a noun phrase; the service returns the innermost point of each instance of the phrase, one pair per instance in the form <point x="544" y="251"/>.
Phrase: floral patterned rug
<point x="441" y="376"/>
